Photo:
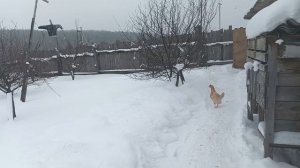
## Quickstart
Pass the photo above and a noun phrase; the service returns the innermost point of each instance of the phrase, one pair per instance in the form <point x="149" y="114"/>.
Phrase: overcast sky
<point x="98" y="14"/>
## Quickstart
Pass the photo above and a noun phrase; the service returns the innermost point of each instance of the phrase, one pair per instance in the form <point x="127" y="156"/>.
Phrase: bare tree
<point x="171" y="32"/>
<point x="12" y="63"/>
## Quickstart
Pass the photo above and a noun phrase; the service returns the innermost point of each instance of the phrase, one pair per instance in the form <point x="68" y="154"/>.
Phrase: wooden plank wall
<point x="220" y="51"/>
<point x="287" y="96"/>
<point x="258" y="78"/>
<point x="257" y="49"/>
<point x="287" y="113"/>
<point x="126" y="60"/>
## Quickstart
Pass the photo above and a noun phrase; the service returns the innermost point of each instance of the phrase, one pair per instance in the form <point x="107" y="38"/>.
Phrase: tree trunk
<point x="73" y="73"/>
<point x="10" y="105"/>
<point x="24" y="87"/>
<point x="13" y="105"/>
<point x="181" y="77"/>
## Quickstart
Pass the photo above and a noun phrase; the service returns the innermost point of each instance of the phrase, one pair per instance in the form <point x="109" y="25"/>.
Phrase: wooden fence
<point x="219" y="47"/>
<point x="220" y="44"/>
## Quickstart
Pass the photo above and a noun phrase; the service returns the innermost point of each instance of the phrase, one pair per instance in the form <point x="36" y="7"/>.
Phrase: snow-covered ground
<point x="113" y="121"/>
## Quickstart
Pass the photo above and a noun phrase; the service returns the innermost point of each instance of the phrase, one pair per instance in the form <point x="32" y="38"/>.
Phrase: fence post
<point x="230" y="33"/>
<point x="221" y="39"/>
<point x="239" y="47"/>
<point x="59" y="63"/>
<point x="98" y="62"/>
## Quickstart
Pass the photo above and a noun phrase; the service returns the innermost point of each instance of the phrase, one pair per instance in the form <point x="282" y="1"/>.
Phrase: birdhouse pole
<point x="32" y="27"/>
<point x="25" y="78"/>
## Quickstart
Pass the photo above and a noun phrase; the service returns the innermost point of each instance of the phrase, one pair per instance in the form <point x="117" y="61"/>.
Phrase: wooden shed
<point x="273" y="83"/>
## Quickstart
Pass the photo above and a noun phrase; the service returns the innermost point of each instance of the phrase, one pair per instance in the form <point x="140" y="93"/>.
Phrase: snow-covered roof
<point x="259" y="5"/>
<point x="269" y="18"/>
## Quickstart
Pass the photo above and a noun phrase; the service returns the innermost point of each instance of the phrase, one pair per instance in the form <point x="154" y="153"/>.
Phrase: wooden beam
<point x="271" y="94"/>
<point x="285" y="146"/>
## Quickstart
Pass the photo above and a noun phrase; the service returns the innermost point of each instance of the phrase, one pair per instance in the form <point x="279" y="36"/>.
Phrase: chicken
<point x="216" y="97"/>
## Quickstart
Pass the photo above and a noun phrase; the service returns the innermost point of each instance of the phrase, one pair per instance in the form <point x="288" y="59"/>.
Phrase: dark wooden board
<point x="261" y="56"/>
<point x="285" y="146"/>
<point x="289" y="79"/>
<point x="286" y="125"/>
<point x="261" y="88"/>
<point x="251" y="44"/>
<point x="289" y="65"/>
<point x="257" y="55"/>
<point x="261" y="44"/>
<point x="287" y="111"/>
<point x="251" y="53"/>
<point x="288" y="94"/>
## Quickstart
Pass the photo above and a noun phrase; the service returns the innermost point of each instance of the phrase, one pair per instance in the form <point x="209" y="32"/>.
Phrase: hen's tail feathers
<point x="222" y="95"/>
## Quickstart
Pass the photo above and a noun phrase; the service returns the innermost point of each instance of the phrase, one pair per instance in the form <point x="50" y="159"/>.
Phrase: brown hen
<point x="216" y="97"/>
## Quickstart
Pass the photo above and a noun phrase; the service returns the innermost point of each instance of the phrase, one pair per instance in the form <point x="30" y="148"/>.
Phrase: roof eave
<point x="258" y="6"/>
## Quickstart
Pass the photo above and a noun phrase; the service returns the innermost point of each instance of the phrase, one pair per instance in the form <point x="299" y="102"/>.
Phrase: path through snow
<point x="213" y="137"/>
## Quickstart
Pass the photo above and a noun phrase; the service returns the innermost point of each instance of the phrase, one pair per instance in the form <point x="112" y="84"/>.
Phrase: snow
<point x="75" y="55"/>
<point x="264" y="163"/>
<point x="180" y="48"/>
<point x="113" y="121"/>
<point x="8" y="107"/>
<point x="279" y="41"/>
<point x="262" y="127"/>
<point x="119" y="50"/>
<point x="219" y="61"/>
<point x="74" y="66"/>
<point x="220" y="43"/>
<point x="179" y="66"/>
<point x="285" y="137"/>
<point x="43" y="59"/>
<point x="123" y="70"/>
<point x="248" y="66"/>
<point x="282" y="137"/>
<point x="64" y="56"/>
<point x="256" y="66"/>
<point x="272" y="16"/>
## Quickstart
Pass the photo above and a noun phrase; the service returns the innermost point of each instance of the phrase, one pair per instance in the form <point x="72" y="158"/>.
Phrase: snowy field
<point x="113" y="121"/>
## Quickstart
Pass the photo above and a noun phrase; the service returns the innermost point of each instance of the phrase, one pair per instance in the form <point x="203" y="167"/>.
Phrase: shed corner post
<point x="271" y="95"/>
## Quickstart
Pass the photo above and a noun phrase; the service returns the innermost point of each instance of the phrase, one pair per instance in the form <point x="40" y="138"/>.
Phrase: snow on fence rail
<point x="219" y="43"/>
